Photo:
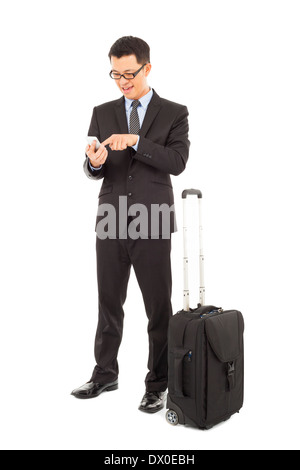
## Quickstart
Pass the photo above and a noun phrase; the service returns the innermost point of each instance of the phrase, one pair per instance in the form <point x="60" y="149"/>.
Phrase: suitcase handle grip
<point x="191" y="192"/>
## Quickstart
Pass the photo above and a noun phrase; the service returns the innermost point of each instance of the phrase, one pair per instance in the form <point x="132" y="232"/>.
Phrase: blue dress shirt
<point x="141" y="109"/>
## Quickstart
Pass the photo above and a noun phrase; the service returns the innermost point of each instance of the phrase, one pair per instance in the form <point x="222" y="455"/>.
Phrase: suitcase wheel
<point x="172" y="417"/>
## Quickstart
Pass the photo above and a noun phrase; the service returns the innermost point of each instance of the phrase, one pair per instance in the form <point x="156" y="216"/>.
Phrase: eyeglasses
<point x="127" y="76"/>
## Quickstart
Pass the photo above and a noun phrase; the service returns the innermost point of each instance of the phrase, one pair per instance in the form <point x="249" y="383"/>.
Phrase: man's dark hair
<point x="128" y="45"/>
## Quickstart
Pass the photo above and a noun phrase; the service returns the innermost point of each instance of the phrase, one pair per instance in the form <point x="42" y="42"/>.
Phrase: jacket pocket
<point x="105" y="189"/>
<point x="162" y="184"/>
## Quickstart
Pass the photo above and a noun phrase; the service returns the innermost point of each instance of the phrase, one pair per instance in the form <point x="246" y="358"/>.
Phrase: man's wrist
<point x="94" y="167"/>
<point x="135" y="146"/>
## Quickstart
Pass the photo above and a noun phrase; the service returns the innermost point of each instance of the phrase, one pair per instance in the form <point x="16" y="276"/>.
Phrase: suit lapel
<point x="152" y="110"/>
<point x="121" y="115"/>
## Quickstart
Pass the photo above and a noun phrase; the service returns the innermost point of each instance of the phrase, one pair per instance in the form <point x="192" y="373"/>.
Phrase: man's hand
<point x="96" y="158"/>
<point x="121" y="141"/>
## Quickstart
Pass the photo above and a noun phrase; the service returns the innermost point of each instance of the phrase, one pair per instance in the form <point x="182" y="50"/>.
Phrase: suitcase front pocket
<point x="225" y="365"/>
<point x="181" y="373"/>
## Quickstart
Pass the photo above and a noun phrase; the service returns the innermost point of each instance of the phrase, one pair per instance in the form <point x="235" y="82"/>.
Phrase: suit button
<point x="130" y="178"/>
<point x="129" y="194"/>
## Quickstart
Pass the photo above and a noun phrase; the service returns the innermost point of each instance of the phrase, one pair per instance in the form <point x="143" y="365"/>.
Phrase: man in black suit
<point x="144" y="140"/>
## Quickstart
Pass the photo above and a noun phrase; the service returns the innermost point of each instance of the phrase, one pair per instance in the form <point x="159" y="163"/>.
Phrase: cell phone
<point x="90" y="140"/>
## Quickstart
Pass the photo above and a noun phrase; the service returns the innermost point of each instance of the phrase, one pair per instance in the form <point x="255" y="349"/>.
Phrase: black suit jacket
<point x="142" y="176"/>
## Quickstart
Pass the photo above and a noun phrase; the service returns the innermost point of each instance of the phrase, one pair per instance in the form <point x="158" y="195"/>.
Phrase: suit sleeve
<point x="93" y="173"/>
<point x="173" y="157"/>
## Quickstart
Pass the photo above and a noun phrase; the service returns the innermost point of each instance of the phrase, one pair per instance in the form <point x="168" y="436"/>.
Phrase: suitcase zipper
<point x="219" y="310"/>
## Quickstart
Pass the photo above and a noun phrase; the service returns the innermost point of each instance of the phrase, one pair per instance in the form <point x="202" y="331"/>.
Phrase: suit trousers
<point x="151" y="262"/>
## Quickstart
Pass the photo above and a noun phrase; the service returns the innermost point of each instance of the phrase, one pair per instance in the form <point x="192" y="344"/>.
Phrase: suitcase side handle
<point x="186" y="293"/>
<point x="191" y="192"/>
<point x="176" y="369"/>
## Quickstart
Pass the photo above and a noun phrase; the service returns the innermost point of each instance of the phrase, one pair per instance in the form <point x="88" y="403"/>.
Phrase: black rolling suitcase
<point x="206" y="354"/>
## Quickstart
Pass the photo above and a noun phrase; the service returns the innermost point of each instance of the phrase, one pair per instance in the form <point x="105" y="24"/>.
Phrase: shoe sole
<point x="108" y="389"/>
<point x="152" y="411"/>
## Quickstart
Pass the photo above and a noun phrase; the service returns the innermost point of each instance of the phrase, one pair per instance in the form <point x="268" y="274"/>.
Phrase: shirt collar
<point x="145" y="100"/>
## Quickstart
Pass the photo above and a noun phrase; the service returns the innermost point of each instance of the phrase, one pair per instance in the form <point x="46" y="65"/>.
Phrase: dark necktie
<point x="134" y="122"/>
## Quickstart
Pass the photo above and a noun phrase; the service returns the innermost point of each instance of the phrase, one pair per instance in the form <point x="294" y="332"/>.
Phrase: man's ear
<point x="147" y="69"/>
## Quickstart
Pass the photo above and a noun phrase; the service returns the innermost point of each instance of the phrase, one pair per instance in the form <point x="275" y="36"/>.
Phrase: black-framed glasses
<point x="127" y="76"/>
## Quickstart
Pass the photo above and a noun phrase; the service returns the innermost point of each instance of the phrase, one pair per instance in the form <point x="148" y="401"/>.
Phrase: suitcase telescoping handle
<point x="186" y="293"/>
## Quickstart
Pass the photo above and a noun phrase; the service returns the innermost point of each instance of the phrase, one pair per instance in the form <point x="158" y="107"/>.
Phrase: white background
<point x="235" y="64"/>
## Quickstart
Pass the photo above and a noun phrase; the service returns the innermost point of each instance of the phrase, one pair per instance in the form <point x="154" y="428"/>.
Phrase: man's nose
<point x="124" y="81"/>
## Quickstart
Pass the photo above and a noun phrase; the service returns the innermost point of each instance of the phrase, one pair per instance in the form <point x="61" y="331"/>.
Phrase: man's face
<point x="137" y="87"/>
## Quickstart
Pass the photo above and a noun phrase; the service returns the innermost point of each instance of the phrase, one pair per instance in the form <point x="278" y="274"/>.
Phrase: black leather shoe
<point x="93" y="390"/>
<point x="153" y="402"/>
